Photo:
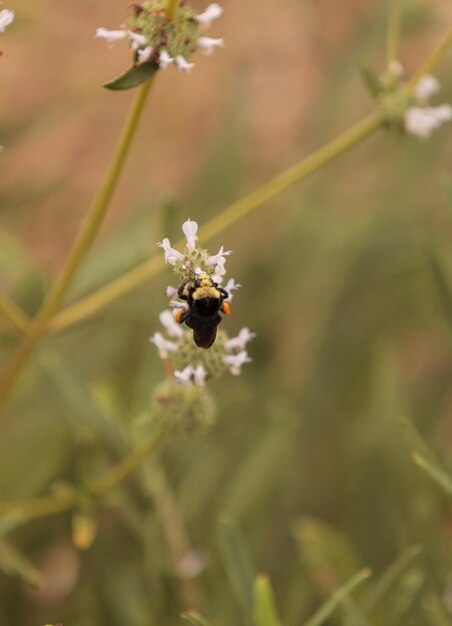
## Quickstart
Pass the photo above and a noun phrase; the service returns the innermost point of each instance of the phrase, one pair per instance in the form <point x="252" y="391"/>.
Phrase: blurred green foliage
<point x="308" y="473"/>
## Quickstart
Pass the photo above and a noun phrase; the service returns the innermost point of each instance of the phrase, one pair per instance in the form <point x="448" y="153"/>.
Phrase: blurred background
<point x="346" y="279"/>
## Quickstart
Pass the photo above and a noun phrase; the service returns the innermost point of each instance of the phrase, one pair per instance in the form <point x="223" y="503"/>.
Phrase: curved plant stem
<point x="171" y="8"/>
<point x="82" y="244"/>
<point x="142" y="273"/>
<point x="434" y="58"/>
<point x="15" y="315"/>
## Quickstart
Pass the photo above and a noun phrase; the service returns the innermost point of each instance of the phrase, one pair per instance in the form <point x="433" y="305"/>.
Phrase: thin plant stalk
<point x="82" y="244"/>
<point x="392" y="43"/>
<point x="15" y="315"/>
<point x="171" y="8"/>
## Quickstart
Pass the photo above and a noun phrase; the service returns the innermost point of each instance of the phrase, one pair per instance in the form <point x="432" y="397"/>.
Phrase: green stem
<point x="15" y="315"/>
<point x="392" y="44"/>
<point x="128" y="464"/>
<point x="131" y="280"/>
<point x="82" y="244"/>
<point x="434" y="58"/>
<point x="171" y="8"/>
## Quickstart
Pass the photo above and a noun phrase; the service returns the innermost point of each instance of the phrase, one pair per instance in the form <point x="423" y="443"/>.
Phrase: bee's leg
<point x="180" y="291"/>
<point x="223" y="292"/>
<point x="182" y="315"/>
<point x="225" y="308"/>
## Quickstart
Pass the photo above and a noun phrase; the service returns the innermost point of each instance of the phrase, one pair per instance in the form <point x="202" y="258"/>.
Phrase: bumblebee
<point x="205" y="301"/>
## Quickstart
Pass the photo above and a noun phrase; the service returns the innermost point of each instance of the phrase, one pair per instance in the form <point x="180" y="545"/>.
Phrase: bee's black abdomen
<point x="204" y="336"/>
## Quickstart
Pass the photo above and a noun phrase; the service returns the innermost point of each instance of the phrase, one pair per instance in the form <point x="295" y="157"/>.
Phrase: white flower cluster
<point x="421" y="120"/>
<point x="195" y="366"/>
<point x="148" y="48"/>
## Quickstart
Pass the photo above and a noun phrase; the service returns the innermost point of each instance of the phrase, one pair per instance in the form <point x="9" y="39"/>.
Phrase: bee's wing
<point x="205" y="336"/>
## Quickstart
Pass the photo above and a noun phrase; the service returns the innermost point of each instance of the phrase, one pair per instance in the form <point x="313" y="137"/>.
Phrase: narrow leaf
<point x="371" y="80"/>
<point x="134" y="76"/>
<point x="434" y="471"/>
<point x="14" y="563"/>
<point x="387" y="580"/>
<point x="237" y="562"/>
<point x="337" y="598"/>
<point x="265" y="613"/>
<point x="195" y="619"/>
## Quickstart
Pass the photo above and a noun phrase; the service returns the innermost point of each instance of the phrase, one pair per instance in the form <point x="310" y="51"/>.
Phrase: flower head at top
<point x="420" y="118"/>
<point x="198" y="301"/>
<point x="159" y="41"/>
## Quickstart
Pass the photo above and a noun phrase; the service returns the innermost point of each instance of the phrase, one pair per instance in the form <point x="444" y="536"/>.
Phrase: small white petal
<point x="176" y="304"/>
<point x="183" y="65"/>
<point x="235" y="361"/>
<point x="218" y="259"/>
<point x="171" y="291"/>
<point x="199" y="375"/>
<point x="6" y="18"/>
<point x="172" y="256"/>
<point x="426" y="87"/>
<point x="208" y="44"/>
<point x="164" y="59"/>
<point x="190" y="229"/>
<point x="421" y="122"/>
<point x="171" y="326"/>
<point x="231" y="286"/>
<point x="110" y="36"/>
<point x="239" y="342"/>
<point x="163" y="345"/>
<point x="184" y="376"/>
<point x="138" y="41"/>
<point x="145" y="55"/>
<point x="213" y="12"/>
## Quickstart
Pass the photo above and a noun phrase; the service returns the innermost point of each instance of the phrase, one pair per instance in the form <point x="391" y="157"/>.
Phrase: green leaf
<point x="387" y="580"/>
<point x="265" y="613"/>
<point x="239" y="568"/>
<point x="434" y="471"/>
<point x="195" y="619"/>
<point x="337" y="597"/>
<point x="134" y="76"/>
<point x="371" y="80"/>
<point x="14" y="562"/>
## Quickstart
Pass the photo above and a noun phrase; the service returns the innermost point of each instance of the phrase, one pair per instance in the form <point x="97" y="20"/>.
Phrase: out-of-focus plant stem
<point x="41" y="507"/>
<point x="392" y="42"/>
<point x="171" y="8"/>
<point x="142" y="273"/>
<point x="88" y="232"/>
<point x="176" y="535"/>
<point x="15" y="315"/>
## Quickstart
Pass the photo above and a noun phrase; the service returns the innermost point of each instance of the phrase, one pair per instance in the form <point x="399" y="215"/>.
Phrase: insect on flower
<point x="205" y="299"/>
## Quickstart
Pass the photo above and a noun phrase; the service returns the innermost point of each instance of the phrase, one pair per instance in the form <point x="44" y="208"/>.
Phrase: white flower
<point x="172" y="256"/>
<point x="208" y="44"/>
<point x="138" y="41"/>
<point x="230" y="286"/>
<point x="111" y="36"/>
<point x="199" y="375"/>
<point x="6" y="18"/>
<point x="219" y="259"/>
<point x="165" y="59"/>
<point x="163" y="345"/>
<point x="177" y="304"/>
<point x="172" y="327"/>
<point x="190" y="229"/>
<point x="145" y="55"/>
<point x="183" y="65"/>
<point x="184" y="376"/>
<point x="423" y="121"/>
<point x="171" y="291"/>
<point x="235" y="361"/>
<point x="212" y="12"/>
<point x="239" y="342"/>
<point x="426" y="87"/>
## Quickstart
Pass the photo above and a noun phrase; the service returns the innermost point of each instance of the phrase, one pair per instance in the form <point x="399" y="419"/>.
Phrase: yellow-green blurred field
<point x="308" y="474"/>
